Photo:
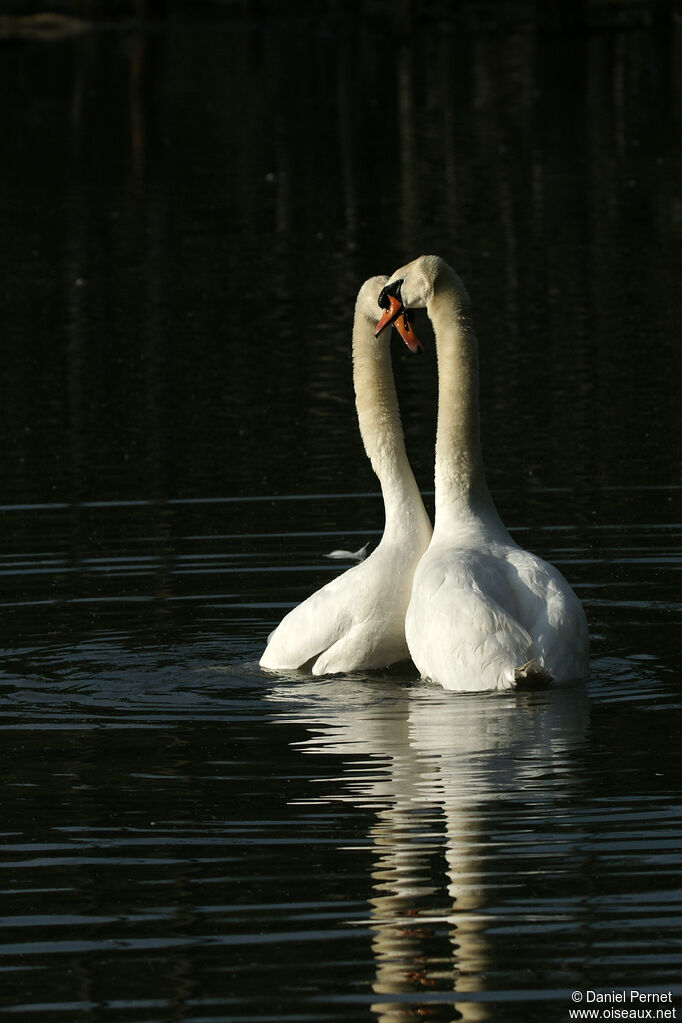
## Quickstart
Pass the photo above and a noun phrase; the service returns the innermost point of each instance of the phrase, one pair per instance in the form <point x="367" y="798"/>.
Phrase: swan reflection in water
<point x="443" y="775"/>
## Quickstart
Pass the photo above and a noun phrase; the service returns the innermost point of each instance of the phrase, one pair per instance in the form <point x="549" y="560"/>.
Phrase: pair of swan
<point x="471" y="608"/>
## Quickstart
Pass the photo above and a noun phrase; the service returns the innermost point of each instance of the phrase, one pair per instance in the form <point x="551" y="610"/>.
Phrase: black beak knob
<point x="390" y="290"/>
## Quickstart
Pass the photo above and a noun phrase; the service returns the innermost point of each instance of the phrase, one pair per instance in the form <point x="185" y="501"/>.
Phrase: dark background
<point x="189" y="205"/>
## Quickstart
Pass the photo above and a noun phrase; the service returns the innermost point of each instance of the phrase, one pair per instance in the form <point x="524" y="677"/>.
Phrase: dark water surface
<point x="187" y="216"/>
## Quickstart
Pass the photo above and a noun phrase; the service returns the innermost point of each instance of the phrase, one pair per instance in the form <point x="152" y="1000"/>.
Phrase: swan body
<point x="357" y="621"/>
<point x="484" y="613"/>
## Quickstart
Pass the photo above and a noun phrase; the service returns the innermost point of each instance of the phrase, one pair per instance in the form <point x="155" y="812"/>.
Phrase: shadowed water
<point x="190" y="212"/>
<point x="179" y="822"/>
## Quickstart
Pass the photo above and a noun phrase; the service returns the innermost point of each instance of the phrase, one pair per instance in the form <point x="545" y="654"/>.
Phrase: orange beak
<point x="398" y="316"/>
<point x="395" y="308"/>
<point x="404" y="328"/>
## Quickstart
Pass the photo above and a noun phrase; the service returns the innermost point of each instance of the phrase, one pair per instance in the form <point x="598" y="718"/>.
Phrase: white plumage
<point x="359" y="555"/>
<point x="357" y="620"/>
<point x="484" y="613"/>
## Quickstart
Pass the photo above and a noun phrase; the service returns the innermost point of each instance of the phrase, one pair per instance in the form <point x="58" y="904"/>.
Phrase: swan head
<point x="413" y="287"/>
<point x="418" y="280"/>
<point x="368" y="297"/>
<point x="397" y="315"/>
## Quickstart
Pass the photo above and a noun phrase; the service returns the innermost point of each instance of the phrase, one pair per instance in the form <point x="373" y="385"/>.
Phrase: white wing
<point x="358" y="555"/>
<point x="458" y="629"/>
<point x="312" y="626"/>
<point x="355" y="621"/>
<point x="552" y="614"/>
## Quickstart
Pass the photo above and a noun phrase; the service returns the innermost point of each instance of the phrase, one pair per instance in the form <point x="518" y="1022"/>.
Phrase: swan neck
<point x="459" y="475"/>
<point x="381" y="429"/>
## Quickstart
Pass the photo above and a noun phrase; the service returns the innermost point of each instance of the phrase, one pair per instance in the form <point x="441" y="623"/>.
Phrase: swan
<point x="357" y="620"/>
<point x="484" y="613"/>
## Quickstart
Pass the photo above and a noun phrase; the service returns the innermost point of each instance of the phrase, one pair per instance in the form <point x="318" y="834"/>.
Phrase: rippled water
<point x="188" y="837"/>
<point x="190" y="212"/>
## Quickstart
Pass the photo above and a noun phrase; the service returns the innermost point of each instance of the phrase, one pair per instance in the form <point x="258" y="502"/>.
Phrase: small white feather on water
<point x="358" y="555"/>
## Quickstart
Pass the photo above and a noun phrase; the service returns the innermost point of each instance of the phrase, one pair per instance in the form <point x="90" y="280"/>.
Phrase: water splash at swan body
<point x="357" y="621"/>
<point x="484" y="613"/>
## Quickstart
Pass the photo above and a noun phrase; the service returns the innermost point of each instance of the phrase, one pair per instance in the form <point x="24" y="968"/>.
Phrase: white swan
<point x="484" y="613"/>
<point x="357" y="620"/>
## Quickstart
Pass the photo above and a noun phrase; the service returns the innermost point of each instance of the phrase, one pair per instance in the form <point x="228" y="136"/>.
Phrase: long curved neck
<point x="380" y="427"/>
<point x="461" y="489"/>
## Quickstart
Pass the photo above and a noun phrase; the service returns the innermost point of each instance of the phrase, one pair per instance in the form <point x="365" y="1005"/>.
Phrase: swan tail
<point x="532" y="675"/>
